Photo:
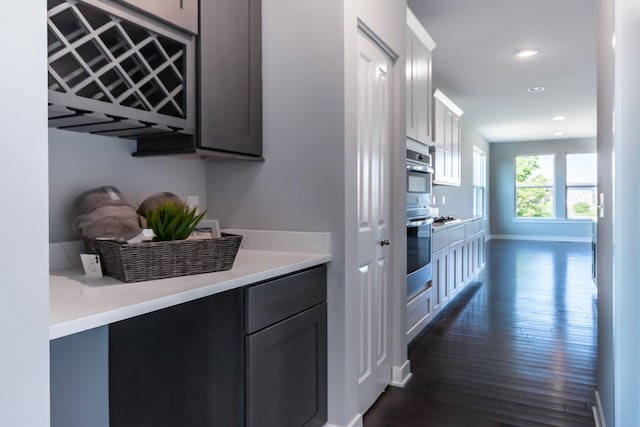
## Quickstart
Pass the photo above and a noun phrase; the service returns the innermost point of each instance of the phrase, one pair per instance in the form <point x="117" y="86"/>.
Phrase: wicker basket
<point x="158" y="260"/>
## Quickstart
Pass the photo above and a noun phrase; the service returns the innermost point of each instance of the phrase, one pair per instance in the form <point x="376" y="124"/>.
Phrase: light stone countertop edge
<point x="78" y="303"/>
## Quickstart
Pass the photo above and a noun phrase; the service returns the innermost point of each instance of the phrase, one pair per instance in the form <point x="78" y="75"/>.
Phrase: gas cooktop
<point x="445" y="219"/>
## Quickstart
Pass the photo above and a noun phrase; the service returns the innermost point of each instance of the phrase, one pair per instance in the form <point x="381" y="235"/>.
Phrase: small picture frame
<point x="201" y="233"/>
<point x="212" y="225"/>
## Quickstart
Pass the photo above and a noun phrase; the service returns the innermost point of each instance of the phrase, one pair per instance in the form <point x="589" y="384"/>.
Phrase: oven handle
<point x="418" y="223"/>
<point x="419" y="168"/>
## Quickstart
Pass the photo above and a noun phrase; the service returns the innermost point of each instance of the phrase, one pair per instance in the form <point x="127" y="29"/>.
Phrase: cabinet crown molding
<point x="448" y="103"/>
<point x="419" y="31"/>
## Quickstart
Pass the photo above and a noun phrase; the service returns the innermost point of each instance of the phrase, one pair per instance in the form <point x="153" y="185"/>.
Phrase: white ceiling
<point x="475" y="66"/>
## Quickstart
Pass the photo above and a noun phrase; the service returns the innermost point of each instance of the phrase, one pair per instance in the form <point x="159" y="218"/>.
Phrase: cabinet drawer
<point x="275" y="300"/>
<point x="455" y="234"/>
<point x="440" y="240"/>
<point x="418" y="309"/>
<point x="471" y="228"/>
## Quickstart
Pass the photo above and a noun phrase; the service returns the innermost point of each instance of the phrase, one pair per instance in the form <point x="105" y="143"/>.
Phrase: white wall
<point x="24" y="325"/>
<point x="605" y="234"/>
<point x="502" y="196"/>
<point x="80" y="161"/>
<point x="626" y="211"/>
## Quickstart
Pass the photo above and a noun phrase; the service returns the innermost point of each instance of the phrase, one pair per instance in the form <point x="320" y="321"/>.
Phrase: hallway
<point x="517" y="348"/>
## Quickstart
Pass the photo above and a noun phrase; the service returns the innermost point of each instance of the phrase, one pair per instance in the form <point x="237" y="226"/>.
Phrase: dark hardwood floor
<point x="517" y="348"/>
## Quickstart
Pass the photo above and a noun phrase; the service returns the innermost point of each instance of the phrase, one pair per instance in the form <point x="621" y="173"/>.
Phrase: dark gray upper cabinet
<point x="113" y="71"/>
<point x="181" y="13"/>
<point x="230" y="80"/>
<point x="229" y="104"/>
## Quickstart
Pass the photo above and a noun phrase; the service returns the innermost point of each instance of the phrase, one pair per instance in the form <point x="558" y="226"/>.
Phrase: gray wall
<point x="300" y="186"/>
<point x="502" y="195"/>
<point x="79" y="161"/>
<point x="459" y="200"/>
<point x="80" y="379"/>
<point x="24" y="275"/>
<point x="605" y="234"/>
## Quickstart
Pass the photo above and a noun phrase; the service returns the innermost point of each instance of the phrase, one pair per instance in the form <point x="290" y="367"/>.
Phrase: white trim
<point x="540" y="238"/>
<point x="448" y="103"/>
<point x="417" y="28"/>
<point x="356" y="422"/>
<point x="598" y="414"/>
<point x="400" y="375"/>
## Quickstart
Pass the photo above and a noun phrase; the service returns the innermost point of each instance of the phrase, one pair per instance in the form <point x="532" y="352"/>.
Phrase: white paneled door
<point x="374" y="137"/>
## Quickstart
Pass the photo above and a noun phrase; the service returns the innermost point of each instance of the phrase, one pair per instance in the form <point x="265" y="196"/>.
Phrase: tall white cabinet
<point x="418" y="69"/>
<point x="447" y="140"/>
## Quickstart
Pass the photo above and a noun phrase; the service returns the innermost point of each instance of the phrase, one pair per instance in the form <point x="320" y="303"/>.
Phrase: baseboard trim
<point x="540" y="238"/>
<point x="598" y="414"/>
<point x="356" y="422"/>
<point x="400" y="375"/>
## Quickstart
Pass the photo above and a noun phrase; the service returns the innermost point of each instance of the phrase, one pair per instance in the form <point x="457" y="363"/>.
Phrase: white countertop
<point x="78" y="303"/>
<point x="463" y="219"/>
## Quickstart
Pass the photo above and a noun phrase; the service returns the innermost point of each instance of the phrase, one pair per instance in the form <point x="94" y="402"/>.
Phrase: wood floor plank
<point x="517" y="348"/>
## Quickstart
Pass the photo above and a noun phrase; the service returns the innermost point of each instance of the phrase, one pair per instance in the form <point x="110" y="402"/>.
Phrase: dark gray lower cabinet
<point x="287" y="372"/>
<point x="180" y="366"/>
<point x="254" y="356"/>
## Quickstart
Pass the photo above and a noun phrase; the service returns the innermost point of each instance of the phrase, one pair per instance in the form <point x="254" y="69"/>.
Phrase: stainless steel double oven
<point x="419" y="220"/>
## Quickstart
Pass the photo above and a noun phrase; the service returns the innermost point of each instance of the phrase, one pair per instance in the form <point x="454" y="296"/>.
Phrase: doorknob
<point x="384" y="242"/>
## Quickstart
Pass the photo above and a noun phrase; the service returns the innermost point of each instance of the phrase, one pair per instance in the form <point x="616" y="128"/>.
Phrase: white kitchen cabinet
<point x="419" y="312"/>
<point x="457" y="258"/>
<point x="456" y="265"/>
<point x="447" y="140"/>
<point x="418" y="74"/>
<point x="181" y="13"/>
<point x="440" y="281"/>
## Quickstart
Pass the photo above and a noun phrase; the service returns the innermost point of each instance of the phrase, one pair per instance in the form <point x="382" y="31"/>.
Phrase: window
<point x="534" y="186"/>
<point x="479" y="182"/>
<point x="581" y="185"/>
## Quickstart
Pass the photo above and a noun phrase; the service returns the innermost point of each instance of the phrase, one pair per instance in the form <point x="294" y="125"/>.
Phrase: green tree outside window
<point x="534" y="189"/>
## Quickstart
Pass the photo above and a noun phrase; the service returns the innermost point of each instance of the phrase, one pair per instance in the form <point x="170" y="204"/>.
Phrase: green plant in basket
<point x="173" y="220"/>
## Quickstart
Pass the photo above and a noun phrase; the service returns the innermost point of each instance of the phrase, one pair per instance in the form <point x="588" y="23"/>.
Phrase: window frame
<point x="479" y="181"/>
<point x="593" y="187"/>
<point x="552" y="187"/>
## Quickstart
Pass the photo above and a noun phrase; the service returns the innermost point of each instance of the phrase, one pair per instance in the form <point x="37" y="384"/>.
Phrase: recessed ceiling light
<point x="536" y="89"/>
<point x="526" y="52"/>
<point x="558" y="133"/>
<point x="558" y="118"/>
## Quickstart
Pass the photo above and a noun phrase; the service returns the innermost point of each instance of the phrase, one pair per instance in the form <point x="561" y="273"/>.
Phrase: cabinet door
<point x="411" y="71"/>
<point x="439" y="113"/>
<point x="287" y="372"/>
<point x="439" y="287"/>
<point x="456" y="267"/>
<point x="181" y="13"/>
<point x="180" y="366"/>
<point x="422" y="88"/>
<point x="230" y="83"/>
<point x="418" y="75"/>
<point x="481" y="251"/>
<point x="456" y="146"/>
